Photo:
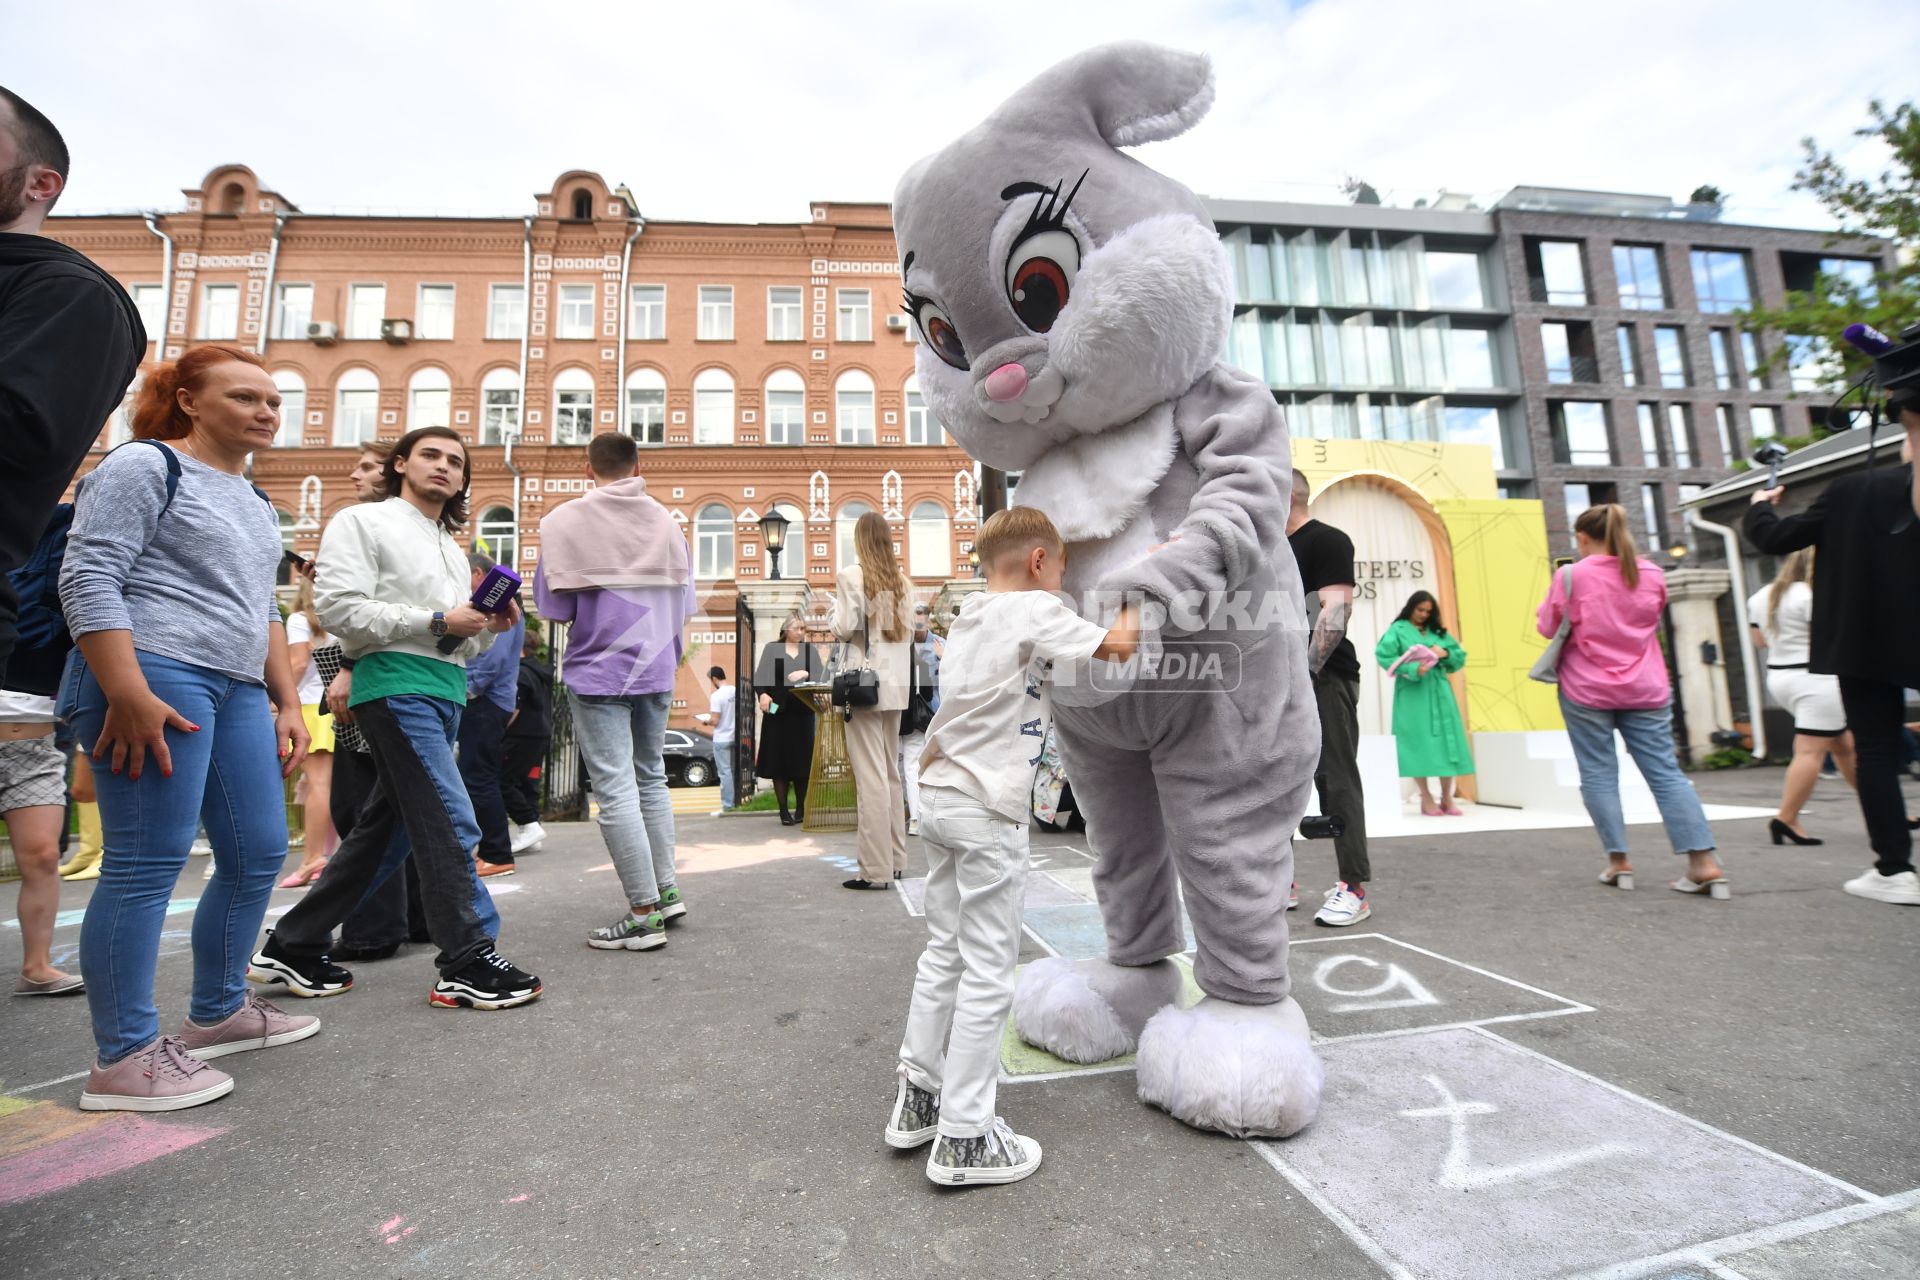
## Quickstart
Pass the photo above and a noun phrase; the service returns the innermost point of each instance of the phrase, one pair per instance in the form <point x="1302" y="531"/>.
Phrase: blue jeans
<point x="1649" y="737"/>
<point x="227" y="777"/>
<point x="623" y="742"/>
<point x="723" y="761"/>
<point x="411" y="737"/>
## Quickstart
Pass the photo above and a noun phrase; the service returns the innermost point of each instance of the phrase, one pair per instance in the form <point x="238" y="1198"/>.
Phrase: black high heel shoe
<point x="1782" y="833"/>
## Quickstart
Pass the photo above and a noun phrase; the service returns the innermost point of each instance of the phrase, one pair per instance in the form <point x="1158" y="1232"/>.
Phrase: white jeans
<point x="910" y="748"/>
<point x="976" y="884"/>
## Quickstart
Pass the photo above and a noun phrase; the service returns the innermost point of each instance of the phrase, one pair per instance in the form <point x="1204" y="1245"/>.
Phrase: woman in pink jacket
<point x="1613" y="677"/>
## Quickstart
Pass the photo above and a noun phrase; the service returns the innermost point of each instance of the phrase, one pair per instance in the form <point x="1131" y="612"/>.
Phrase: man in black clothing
<point x="1325" y="557"/>
<point x="70" y="342"/>
<point x="1866" y="613"/>
<point x="528" y="736"/>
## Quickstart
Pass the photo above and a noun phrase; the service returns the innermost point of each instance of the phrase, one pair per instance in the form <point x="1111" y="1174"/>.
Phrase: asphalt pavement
<point x="1529" y="1074"/>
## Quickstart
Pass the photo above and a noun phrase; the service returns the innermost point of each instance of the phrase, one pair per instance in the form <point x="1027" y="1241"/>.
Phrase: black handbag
<point x="859" y="687"/>
<point x="919" y="712"/>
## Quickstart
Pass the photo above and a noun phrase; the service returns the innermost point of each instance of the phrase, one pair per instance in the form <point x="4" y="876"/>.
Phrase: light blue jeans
<point x="1649" y="737"/>
<point x="723" y="761"/>
<point x="225" y="776"/>
<point x="623" y="742"/>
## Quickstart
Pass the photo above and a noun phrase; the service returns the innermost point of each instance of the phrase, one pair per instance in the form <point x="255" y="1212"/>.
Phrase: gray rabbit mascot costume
<point x="1072" y="305"/>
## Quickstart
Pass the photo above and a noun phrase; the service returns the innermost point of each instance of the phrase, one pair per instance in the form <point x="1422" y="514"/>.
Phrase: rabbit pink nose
<point x="1008" y="382"/>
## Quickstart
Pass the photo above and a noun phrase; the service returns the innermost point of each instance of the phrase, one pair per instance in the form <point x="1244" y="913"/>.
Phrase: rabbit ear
<point x="1129" y="92"/>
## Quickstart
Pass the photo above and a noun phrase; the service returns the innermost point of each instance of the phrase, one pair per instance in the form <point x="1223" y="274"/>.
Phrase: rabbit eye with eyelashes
<point x="1040" y="273"/>
<point x="938" y="331"/>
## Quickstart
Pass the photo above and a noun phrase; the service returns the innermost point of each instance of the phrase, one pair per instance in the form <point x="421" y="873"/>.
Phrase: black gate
<point x="745" y="717"/>
<point x="565" y="779"/>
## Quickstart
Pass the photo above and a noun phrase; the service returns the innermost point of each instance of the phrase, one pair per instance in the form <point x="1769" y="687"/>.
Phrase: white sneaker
<point x="1902" y="889"/>
<point x="913" y="826"/>
<point x="1342" y="907"/>
<point x="527" y="837"/>
<point x="1293" y="896"/>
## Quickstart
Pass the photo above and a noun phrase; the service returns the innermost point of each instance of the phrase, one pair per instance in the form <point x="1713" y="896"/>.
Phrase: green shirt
<point x="388" y="674"/>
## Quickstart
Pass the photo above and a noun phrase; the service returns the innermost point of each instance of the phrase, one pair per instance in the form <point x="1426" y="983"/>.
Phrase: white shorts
<point x="1812" y="700"/>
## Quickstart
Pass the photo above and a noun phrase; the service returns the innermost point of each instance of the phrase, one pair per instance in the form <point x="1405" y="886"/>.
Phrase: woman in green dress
<point x="1418" y="655"/>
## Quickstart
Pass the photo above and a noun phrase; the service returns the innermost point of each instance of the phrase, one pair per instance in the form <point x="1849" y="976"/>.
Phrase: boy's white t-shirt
<point x="994" y="695"/>
<point x="300" y="631"/>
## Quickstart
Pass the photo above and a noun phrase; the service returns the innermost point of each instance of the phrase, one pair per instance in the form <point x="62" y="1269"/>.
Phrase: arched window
<point x="922" y="427"/>
<point x="843" y="523"/>
<point x="712" y="407"/>
<point x="713" y="542"/>
<point x="356" y="410"/>
<point x="499" y="405"/>
<point x="853" y="407"/>
<point x="573" y="406"/>
<point x="647" y="406"/>
<point x="293" y="408"/>
<point x="929" y="541"/>
<point x="429" y="399"/>
<point x="785" y="408"/>
<point x="583" y="206"/>
<point x="496" y="535"/>
<point x="283" y="575"/>
<point x="233" y="198"/>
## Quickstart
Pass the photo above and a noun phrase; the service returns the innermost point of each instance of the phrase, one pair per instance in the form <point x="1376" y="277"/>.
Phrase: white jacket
<point x="382" y="573"/>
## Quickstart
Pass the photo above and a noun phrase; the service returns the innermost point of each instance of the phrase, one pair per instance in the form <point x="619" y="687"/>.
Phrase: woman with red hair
<point x="168" y="589"/>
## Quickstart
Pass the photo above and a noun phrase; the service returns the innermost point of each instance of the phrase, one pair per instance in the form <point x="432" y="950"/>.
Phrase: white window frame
<point x="791" y="430"/>
<point x="429" y="399"/>
<point x="420" y="311"/>
<point x="650" y="382"/>
<point x="853" y="309"/>
<point x="716" y="313"/>
<point x="573" y="415"/>
<point x="844" y="549"/>
<point x="361" y="332"/>
<point x="713" y="543"/>
<point x="923" y="559"/>
<point x="153" y="318"/>
<point x="570" y="322"/>
<point x="293" y="408"/>
<point x="494" y="527"/>
<point x="853" y="424"/>
<point x="297" y="331"/>
<point x="791" y="316"/>
<point x="205" y="330"/>
<point x="707" y="426"/>
<point x="500" y="417"/>
<point x="646" y="321"/>
<point x="350" y="383"/>
<point x="515" y="307"/>
<point x="923" y="429"/>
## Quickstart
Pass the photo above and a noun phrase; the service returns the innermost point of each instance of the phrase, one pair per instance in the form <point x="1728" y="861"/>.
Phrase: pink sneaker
<point x="161" y="1077"/>
<point x="256" y="1025"/>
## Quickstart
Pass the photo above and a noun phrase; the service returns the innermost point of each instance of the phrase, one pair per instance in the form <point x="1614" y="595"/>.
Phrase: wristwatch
<point x="439" y="624"/>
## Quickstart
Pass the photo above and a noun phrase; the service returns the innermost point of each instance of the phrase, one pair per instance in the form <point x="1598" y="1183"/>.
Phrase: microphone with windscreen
<point x="495" y="592"/>
<point x="1770" y="455"/>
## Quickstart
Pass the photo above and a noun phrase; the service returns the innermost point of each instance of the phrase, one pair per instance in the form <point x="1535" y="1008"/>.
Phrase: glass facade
<point x="1316" y="267"/>
<point x="1636" y="268"/>
<point x="1720" y="280"/>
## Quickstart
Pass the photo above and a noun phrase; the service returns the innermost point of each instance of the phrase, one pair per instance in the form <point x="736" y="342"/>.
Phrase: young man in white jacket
<point x="392" y="584"/>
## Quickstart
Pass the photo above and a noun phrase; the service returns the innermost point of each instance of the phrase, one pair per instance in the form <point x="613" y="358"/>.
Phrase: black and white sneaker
<point x="488" y="981"/>
<point x="915" y="1120"/>
<point x="308" y="976"/>
<point x="998" y="1155"/>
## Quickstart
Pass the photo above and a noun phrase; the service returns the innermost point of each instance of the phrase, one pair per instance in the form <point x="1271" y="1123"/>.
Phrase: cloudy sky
<point x="747" y="110"/>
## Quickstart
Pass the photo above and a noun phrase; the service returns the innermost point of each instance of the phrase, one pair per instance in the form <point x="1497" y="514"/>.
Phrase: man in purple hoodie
<point x="616" y="566"/>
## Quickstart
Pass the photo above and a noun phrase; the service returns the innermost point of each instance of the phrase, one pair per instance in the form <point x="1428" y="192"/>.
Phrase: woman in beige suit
<point x="872" y="617"/>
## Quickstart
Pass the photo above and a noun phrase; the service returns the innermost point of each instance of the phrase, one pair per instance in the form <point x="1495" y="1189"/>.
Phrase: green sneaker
<point x="629" y="934"/>
<point x="673" y="903"/>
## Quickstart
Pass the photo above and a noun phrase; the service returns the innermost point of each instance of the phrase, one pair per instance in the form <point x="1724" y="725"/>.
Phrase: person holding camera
<point x="1866" y="609"/>
<point x="872" y="603"/>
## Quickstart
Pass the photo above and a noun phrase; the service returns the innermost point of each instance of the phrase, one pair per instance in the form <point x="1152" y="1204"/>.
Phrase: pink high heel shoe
<point x="301" y="878"/>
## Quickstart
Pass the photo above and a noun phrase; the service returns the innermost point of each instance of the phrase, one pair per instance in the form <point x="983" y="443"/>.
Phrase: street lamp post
<point x="773" y="532"/>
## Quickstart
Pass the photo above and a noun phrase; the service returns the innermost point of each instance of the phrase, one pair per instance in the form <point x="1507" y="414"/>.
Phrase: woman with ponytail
<point x="872" y="618"/>
<point x="181" y="692"/>
<point x="1781" y="614"/>
<point x="1613" y="678"/>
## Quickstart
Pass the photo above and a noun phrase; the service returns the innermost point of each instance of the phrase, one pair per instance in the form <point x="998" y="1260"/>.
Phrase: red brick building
<point x="758" y="365"/>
